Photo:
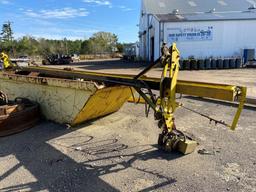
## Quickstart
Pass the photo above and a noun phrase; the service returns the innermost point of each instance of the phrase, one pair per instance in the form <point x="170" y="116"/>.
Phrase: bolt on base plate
<point x="177" y="142"/>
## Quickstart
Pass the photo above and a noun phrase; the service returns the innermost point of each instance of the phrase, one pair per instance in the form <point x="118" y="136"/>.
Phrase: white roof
<point x="192" y="10"/>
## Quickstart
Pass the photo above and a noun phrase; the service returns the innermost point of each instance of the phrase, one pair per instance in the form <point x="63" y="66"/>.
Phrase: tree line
<point x="98" y="43"/>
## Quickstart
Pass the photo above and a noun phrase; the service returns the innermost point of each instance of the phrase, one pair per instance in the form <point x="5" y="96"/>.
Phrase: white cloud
<point x="58" y="33"/>
<point x="124" y="8"/>
<point x="57" y="37"/>
<point x="72" y="31"/>
<point x="121" y="7"/>
<point x="108" y="3"/>
<point x="64" y="13"/>
<point x="49" y="36"/>
<point x="98" y="2"/>
<point x="5" y="2"/>
<point x="128" y="9"/>
<point x="83" y="31"/>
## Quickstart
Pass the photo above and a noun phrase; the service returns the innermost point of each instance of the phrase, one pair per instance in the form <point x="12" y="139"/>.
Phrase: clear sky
<point x="73" y="19"/>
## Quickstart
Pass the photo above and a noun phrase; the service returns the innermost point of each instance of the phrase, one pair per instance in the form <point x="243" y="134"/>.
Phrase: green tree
<point x="7" y="36"/>
<point x="75" y="46"/>
<point x="86" y="47"/>
<point x="43" y="47"/>
<point x="7" y="33"/>
<point x="103" y="42"/>
<point x="27" y="46"/>
<point x="120" y="47"/>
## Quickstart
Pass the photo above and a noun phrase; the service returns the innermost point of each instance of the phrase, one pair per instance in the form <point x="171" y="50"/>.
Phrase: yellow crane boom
<point x="164" y="104"/>
<point x="6" y="61"/>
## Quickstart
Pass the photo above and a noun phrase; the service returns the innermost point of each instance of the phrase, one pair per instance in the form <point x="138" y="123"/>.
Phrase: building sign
<point x="190" y="34"/>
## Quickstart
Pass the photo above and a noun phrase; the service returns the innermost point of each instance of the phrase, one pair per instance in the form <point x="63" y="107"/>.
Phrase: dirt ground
<point x="119" y="153"/>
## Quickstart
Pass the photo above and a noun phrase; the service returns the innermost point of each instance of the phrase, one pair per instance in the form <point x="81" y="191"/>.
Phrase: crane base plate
<point x="186" y="147"/>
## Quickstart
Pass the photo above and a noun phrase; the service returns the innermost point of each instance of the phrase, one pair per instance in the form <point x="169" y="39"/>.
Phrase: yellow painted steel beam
<point x="208" y="90"/>
<point x="240" y="107"/>
<point x="168" y="86"/>
<point x="193" y="88"/>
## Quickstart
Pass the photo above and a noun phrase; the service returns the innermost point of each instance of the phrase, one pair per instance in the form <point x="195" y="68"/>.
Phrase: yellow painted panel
<point x="103" y="102"/>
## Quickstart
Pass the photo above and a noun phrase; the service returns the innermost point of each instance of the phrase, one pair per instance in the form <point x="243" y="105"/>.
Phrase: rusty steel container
<point x="63" y="100"/>
<point x="16" y="118"/>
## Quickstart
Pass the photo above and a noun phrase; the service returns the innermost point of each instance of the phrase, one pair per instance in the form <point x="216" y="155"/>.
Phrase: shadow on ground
<point x="55" y="171"/>
<point x="109" y="64"/>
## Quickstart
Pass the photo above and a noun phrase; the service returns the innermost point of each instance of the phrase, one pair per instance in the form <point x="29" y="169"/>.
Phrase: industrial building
<point x="201" y="28"/>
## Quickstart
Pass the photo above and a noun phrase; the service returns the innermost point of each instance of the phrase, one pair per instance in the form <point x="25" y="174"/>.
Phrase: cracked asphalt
<point x="119" y="153"/>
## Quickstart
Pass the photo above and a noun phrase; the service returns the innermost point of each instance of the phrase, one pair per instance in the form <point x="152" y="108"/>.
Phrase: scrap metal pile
<point x="70" y="96"/>
<point x="17" y="115"/>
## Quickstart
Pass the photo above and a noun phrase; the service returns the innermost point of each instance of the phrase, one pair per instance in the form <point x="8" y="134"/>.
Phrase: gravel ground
<point x="119" y="153"/>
